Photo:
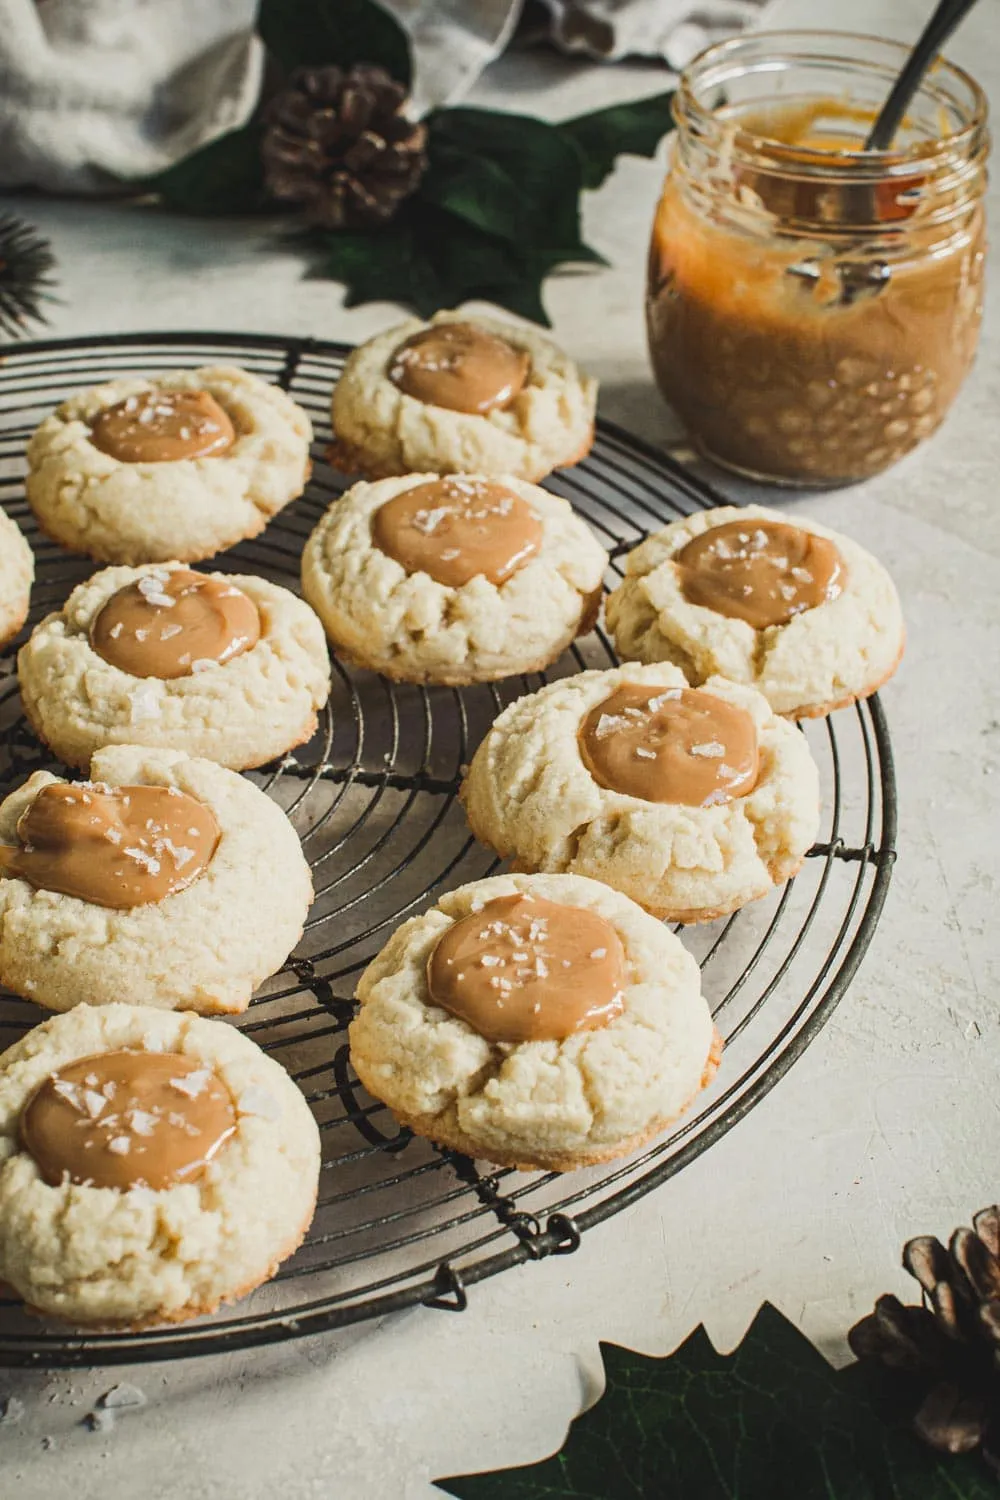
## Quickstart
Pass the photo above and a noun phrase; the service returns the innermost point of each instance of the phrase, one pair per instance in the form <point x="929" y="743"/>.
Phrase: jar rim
<point x="961" y="141"/>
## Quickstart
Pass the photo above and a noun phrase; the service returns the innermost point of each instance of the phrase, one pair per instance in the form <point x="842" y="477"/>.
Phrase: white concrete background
<point x="888" y="1126"/>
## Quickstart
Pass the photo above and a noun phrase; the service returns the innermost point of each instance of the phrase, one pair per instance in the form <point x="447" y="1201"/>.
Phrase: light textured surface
<point x="203" y="948"/>
<point x="17" y="569"/>
<point x="241" y="713"/>
<point x="530" y="797"/>
<point x="587" y="1098"/>
<point x="189" y="509"/>
<point x="823" y="658"/>
<point x="886" y="1127"/>
<point x="101" y="1256"/>
<point x="418" y="630"/>
<point x="549" y="423"/>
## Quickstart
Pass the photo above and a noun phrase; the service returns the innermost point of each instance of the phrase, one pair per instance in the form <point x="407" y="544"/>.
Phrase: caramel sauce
<point x="763" y="572"/>
<point x="461" y="367"/>
<point x="457" y="528"/>
<point x="529" y="970"/>
<point x="160" y="427"/>
<point x="678" y="745"/>
<point x="169" y="621"/>
<point x="118" y="847"/>
<point x="128" y="1119"/>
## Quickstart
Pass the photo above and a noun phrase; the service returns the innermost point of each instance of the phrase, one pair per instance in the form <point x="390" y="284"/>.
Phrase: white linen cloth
<point x="93" y="91"/>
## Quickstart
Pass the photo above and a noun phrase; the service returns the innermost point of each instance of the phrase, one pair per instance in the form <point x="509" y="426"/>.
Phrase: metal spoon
<point x="859" y="279"/>
<point x="933" y="37"/>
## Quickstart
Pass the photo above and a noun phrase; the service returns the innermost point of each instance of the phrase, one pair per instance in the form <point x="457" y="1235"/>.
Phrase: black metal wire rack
<point x="373" y="797"/>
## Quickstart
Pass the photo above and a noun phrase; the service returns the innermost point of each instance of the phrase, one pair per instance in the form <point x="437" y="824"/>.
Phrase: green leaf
<point x="635" y="129"/>
<point x="224" y="177"/>
<point x="312" y="33"/>
<point x="772" y="1421"/>
<point x="529" y="191"/>
<point x="428" y="259"/>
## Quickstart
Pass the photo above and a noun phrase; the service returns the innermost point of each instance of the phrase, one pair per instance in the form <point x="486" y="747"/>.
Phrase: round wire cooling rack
<point x="373" y="796"/>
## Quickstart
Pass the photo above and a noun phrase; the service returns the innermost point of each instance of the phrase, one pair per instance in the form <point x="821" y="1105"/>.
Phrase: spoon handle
<point x="933" y="37"/>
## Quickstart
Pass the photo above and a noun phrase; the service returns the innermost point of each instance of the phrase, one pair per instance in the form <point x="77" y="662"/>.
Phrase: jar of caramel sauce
<point x="813" y="308"/>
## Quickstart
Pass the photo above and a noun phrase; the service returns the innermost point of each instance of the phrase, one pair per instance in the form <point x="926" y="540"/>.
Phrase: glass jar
<point x="813" y="309"/>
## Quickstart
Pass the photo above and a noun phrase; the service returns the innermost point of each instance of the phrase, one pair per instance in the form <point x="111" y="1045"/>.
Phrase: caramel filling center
<point x="160" y="427"/>
<point x="168" y="623"/>
<point x="128" y="1119"/>
<point x="670" y="745"/>
<point x="763" y="572"/>
<point x="528" y="970"/>
<point x="456" y="528"/>
<point x="461" y="367"/>
<point x="119" y="846"/>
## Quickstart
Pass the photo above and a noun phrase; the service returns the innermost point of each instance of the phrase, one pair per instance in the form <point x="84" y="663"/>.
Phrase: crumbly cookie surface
<point x="189" y="509"/>
<point x="408" y="626"/>
<point x="17" y="572"/>
<point x="551" y="1104"/>
<point x="821" y="659"/>
<point x="530" y="797"/>
<point x="204" y="948"/>
<point x="241" y="713"/>
<point x="383" y="432"/>
<point x="104" y="1257"/>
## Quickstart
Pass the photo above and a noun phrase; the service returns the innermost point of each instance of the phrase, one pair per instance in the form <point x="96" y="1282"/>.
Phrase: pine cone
<point x="339" y="144"/>
<point x="948" y="1350"/>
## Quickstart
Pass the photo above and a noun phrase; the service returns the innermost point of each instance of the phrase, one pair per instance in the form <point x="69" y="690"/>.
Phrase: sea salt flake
<point x="142" y="857"/>
<point x="192" y="1084"/>
<point x="490" y="961"/>
<point x="599" y="953"/>
<point x="115" y="631"/>
<point x="140" y="1121"/>
<point x="203" y="664"/>
<point x="610" y="724"/>
<point x="710" y="750"/>
<point x="168" y="632"/>
<point x="449" y="554"/>
<point x="655" y="704"/>
<point x="428" y="521"/>
<point x="121" y="1145"/>
<point x="641" y="753"/>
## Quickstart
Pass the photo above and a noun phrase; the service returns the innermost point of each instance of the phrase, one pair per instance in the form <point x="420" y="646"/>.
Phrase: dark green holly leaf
<point x="312" y="33"/>
<point x="428" y="259"/>
<point x="224" y="177"/>
<point x="771" y="1421"/>
<point x="528" y="194"/>
<point x="473" y="188"/>
<point x="635" y="129"/>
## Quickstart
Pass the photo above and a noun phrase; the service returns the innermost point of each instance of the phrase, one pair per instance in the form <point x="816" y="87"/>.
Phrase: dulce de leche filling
<point x="456" y="528"/>
<point x="118" y="846"/>
<point x="763" y="572"/>
<point x="528" y="970"/>
<point x="168" y="623"/>
<point x="128" y="1119"/>
<point x="160" y="427"/>
<point x="676" y="745"/>
<point x="461" y="367"/>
